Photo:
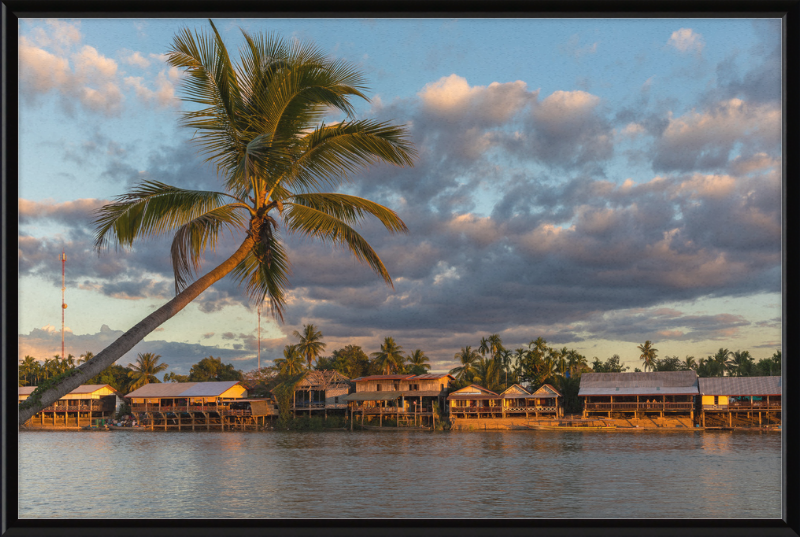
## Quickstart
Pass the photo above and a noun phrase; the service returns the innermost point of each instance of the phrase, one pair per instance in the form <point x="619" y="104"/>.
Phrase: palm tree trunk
<point x="105" y="358"/>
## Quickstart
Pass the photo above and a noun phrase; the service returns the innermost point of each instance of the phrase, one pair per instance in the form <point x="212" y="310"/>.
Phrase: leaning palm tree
<point x="468" y="359"/>
<point x="259" y="122"/>
<point x="145" y="369"/>
<point x="648" y="355"/>
<point x="310" y="345"/>
<point x="390" y="358"/>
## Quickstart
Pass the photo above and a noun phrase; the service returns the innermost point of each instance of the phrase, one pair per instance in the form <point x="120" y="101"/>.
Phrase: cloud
<point x="163" y="96"/>
<point x="686" y="40"/>
<point x="137" y="59"/>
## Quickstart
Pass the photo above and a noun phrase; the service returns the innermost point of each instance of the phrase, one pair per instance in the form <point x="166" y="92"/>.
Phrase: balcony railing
<point x="477" y="409"/>
<point x="531" y="409"/>
<point x="686" y="406"/>
<point x="757" y="405"/>
<point x="391" y="410"/>
<point x="79" y="408"/>
<point x="175" y="408"/>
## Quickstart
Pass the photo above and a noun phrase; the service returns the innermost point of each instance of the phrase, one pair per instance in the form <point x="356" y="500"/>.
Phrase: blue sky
<point x="597" y="183"/>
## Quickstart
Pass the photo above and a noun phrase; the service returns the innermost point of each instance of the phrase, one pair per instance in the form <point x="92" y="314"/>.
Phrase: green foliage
<point x="116" y="376"/>
<point x="611" y="365"/>
<point x="213" y="370"/>
<point x="669" y="363"/>
<point x="283" y="394"/>
<point x="390" y="358"/>
<point x="36" y="397"/>
<point x="145" y="369"/>
<point x="174" y="377"/>
<point x="124" y="410"/>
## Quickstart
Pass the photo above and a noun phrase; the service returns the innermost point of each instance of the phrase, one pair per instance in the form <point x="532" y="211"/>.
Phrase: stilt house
<point x="543" y="403"/>
<point x="400" y="397"/>
<point x="740" y="401"/>
<point x="639" y="394"/>
<point x="321" y="391"/>
<point x="76" y="409"/>
<point x="475" y="401"/>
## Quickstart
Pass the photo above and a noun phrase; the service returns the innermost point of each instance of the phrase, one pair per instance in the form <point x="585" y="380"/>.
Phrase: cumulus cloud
<point x="137" y="59"/>
<point x="686" y="40"/>
<point x="162" y="96"/>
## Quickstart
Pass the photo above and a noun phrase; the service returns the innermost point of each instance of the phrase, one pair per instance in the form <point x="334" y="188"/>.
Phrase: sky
<point x="596" y="183"/>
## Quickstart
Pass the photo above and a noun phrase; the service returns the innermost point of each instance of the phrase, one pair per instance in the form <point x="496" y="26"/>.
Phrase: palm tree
<point x="418" y="360"/>
<point x="487" y="373"/>
<point x="145" y="369"/>
<point x="648" y="355"/>
<point x="88" y="355"/>
<point x="721" y="360"/>
<point x="291" y="363"/>
<point x="259" y="122"/>
<point x="741" y="364"/>
<point x="576" y="362"/>
<point x="311" y="345"/>
<point x="27" y="368"/>
<point x="468" y="359"/>
<point x="390" y="358"/>
<point x="690" y="364"/>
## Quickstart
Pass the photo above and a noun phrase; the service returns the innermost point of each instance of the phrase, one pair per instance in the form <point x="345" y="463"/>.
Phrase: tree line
<point x="126" y="379"/>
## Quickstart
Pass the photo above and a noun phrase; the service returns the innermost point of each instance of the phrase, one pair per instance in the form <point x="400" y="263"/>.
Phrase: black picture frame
<point x="788" y="10"/>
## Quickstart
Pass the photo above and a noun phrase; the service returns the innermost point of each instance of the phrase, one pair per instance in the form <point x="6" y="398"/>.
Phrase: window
<point x="716" y="399"/>
<point x="336" y="400"/>
<point x="379" y="387"/>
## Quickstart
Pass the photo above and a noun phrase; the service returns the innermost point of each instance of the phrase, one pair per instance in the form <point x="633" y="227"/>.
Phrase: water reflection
<point x="401" y="474"/>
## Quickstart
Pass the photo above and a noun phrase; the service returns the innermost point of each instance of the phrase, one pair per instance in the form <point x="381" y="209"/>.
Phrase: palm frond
<point x="319" y="225"/>
<point x="151" y="208"/>
<point x="349" y="209"/>
<point x="195" y="237"/>
<point x="264" y="280"/>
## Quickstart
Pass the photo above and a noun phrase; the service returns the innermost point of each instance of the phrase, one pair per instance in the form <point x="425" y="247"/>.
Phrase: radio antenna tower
<point x="63" y="304"/>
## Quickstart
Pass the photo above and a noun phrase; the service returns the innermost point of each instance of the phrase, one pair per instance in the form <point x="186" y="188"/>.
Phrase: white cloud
<point x="496" y="103"/>
<point x="162" y="96"/>
<point x="137" y="59"/>
<point x="686" y="40"/>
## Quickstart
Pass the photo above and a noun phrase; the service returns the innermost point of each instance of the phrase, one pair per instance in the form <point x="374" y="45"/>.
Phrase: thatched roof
<point x="651" y="383"/>
<point x="741" y="385"/>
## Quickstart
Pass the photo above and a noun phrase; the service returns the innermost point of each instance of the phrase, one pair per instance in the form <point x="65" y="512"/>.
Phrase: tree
<point x="390" y="358"/>
<point x="721" y="360"/>
<point x="418" y="362"/>
<point x="611" y="365"/>
<point x="769" y="366"/>
<point x="487" y="374"/>
<point x="668" y="363"/>
<point x="648" y="355"/>
<point x="145" y="369"/>
<point x="213" y="370"/>
<point x="689" y="363"/>
<point x="259" y="123"/>
<point x="28" y="368"/>
<point x="468" y="359"/>
<point x="174" y="377"/>
<point x="310" y="345"/>
<point x="351" y="361"/>
<point x="291" y="363"/>
<point x="741" y="364"/>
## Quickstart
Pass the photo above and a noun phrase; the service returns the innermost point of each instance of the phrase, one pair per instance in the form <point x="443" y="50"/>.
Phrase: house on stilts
<point x="407" y="400"/>
<point x="639" y="395"/>
<point x="740" y="401"/>
<point x="193" y="406"/>
<point x="79" y="408"/>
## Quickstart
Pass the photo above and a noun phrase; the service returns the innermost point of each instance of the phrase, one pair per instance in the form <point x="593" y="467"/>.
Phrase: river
<point x="400" y="474"/>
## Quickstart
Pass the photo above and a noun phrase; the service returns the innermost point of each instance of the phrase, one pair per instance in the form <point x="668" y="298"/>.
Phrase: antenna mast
<point x="63" y="304"/>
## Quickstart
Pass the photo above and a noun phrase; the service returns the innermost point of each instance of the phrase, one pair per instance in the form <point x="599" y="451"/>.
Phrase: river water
<point x="397" y="474"/>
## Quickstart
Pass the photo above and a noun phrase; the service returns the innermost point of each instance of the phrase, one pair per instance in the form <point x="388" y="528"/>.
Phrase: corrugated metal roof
<point x="83" y="388"/>
<point x="741" y="385"/>
<point x="545" y="390"/>
<point x="638" y="391"/>
<point x="515" y="391"/>
<point x="473" y="387"/>
<point x="183" y="389"/>
<point x="383" y="377"/>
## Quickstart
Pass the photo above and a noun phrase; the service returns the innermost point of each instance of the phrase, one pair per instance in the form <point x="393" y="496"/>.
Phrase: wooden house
<point x="639" y="394"/>
<point x="321" y="391"/>
<point x="475" y="401"/>
<point x="400" y="397"/>
<point x="190" y="405"/>
<point x="78" y="408"/>
<point x="740" y="401"/>
<point x="543" y="403"/>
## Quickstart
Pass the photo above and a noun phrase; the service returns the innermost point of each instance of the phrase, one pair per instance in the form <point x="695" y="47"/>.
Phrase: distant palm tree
<point x="88" y="355"/>
<point x="741" y="364"/>
<point x="390" y="358"/>
<point x="690" y="364"/>
<point x="145" y="369"/>
<point x="27" y="368"/>
<point x="468" y="359"/>
<point x="722" y="361"/>
<point x="419" y="360"/>
<point x="487" y="374"/>
<point x="311" y="345"/>
<point x="576" y="362"/>
<point x="648" y="355"/>
<point x="291" y="363"/>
